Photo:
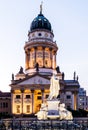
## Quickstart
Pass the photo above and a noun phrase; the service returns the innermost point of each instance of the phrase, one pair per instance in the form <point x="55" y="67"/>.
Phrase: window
<point x="39" y="54"/>
<point x="39" y="97"/>
<point x="39" y="92"/>
<point x="28" y="108"/>
<point x="18" y="108"/>
<point x="47" y="96"/>
<point x="18" y="96"/>
<point x="6" y="104"/>
<point x="40" y="23"/>
<point x="83" y="103"/>
<point x="39" y="34"/>
<point x="27" y="96"/>
<point x="45" y="24"/>
<point x="68" y="96"/>
<point x="3" y="104"/>
<point x="46" y="62"/>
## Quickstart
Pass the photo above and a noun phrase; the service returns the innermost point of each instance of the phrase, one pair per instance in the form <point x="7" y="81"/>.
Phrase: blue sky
<point x="69" y="20"/>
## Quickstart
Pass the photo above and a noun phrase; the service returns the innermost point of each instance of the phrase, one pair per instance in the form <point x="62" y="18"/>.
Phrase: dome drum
<point x="40" y="34"/>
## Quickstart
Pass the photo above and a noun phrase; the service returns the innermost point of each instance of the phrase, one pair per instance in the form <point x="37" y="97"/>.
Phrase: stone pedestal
<point x="53" y="112"/>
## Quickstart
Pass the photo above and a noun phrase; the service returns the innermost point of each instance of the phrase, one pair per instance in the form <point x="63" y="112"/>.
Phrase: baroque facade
<point x="30" y="86"/>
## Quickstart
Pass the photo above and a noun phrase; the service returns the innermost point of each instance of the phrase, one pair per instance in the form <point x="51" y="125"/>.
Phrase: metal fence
<point x="34" y="124"/>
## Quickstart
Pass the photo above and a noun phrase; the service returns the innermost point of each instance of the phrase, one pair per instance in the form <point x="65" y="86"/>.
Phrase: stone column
<point x="51" y="56"/>
<point x="53" y="63"/>
<point x="32" y="91"/>
<point x="43" y="56"/>
<point x="35" y="54"/>
<point x="22" y="94"/>
<point x="28" y="57"/>
<point x="26" y="60"/>
<point x="12" y="101"/>
<point x="42" y="95"/>
<point x="75" y="100"/>
<point x="54" y="60"/>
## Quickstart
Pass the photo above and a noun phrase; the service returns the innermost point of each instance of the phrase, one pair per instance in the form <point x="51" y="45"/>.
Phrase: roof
<point x="71" y="82"/>
<point x="5" y="94"/>
<point x="28" y="77"/>
<point x="40" y="22"/>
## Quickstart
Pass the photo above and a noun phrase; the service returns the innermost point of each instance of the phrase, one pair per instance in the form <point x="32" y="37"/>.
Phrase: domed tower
<point x="40" y="49"/>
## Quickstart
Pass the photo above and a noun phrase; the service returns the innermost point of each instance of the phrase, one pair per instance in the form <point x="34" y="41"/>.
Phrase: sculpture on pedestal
<point x="53" y="109"/>
<point x="54" y="88"/>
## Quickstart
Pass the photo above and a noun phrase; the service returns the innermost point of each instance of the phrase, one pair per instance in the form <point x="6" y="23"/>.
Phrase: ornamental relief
<point x="47" y="55"/>
<point x="33" y="35"/>
<point x="46" y="34"/>
<point x="36" y="80"/>
<point x="17" y="101"/>
<point x="39" y="54"/>
<point x="39" y="80"/>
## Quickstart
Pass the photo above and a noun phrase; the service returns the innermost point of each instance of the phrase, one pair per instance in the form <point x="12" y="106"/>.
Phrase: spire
<point x="74" y="75"/>
<point x="41" y="7"/>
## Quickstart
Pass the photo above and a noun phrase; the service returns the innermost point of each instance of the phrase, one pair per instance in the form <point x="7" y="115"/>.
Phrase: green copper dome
<point x="40" y="22"/>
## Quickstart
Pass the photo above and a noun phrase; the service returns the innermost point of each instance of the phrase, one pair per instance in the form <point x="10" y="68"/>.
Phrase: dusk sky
<point x="69" y="20"/>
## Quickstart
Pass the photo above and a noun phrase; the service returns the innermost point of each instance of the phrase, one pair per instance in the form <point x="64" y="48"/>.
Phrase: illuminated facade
<point x="30" y="88"/>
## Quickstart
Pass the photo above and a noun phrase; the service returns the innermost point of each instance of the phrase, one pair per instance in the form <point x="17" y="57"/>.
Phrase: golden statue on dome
<point x="41" y="7"/>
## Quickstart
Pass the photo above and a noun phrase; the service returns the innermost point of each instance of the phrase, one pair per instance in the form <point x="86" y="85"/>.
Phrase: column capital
<point x="12" y="91"/>
<point x="27" y="51"/>
<point x="42" y="90"/>
<point x="43" y="47"/>
<point x="74" y="92"/>
<point x="50" y="49"/>
<point x="32" y="90"/>
<point x="35" y="48"/>
<point x="22" y="90"/>
<point x="54" y="52"/>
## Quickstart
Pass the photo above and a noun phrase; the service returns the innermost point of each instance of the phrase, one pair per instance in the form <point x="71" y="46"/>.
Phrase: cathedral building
<point x="30" y="86"/>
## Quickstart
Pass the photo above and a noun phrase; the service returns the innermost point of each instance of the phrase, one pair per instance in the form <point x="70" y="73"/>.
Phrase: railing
<point x="34" y="124"/>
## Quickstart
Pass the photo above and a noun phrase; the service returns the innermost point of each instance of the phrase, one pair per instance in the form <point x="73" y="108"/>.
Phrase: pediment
<point x="35" y="80"/>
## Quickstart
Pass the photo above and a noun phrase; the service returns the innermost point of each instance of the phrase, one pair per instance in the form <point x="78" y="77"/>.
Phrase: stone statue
<point x="37" y="67"/>
<point x="21" y="70"/>
<point x="53" y="109"/>
<point x="58" y="69"/>
<point x="42" y="114"/>
<point x="12" y="76"/>
<point x="64" y="113"/>
<point x="54" y="88"/>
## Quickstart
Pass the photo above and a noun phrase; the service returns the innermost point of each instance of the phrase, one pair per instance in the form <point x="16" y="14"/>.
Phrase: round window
<point x="39" y="34"/>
